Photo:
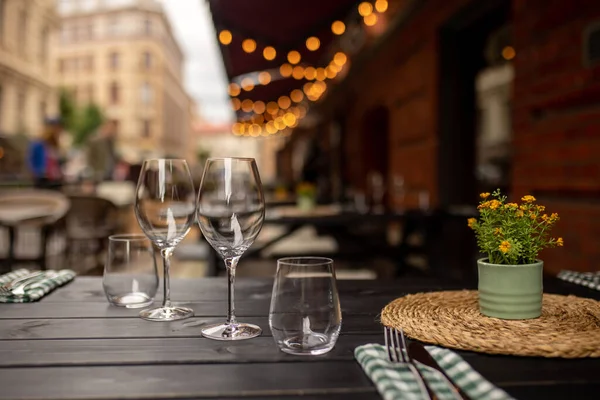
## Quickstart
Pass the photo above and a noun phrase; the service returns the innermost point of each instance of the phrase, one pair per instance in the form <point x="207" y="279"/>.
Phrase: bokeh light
<point x="370" y="19"/>
<point x="264" y="78"/>
<point x="225" y="37"/>
<point x="298" y="72"/>
<point x="313" y="43"/>
<point x="249" y="45"/>
<point x="381" y="6"/>
<point x="293" y="57"/>
<point x="338" y="27"/>
<point x="247" y="84"/>
<point x="365" y="8"/>
<point x="234" y="89"/>
<point x="296" y="95"/>
<point x="259" y="107"/>
<point x="269" y="53"/>
<point x="285" y="70"/>
<point x="284" y="102"/>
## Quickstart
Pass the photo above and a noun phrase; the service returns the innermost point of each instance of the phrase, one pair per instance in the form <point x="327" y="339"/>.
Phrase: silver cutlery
<point x="7" y="287"/>
<point x="418" y="353"/>
<point x="396" y="354"/>
<point x="19" y="291"/>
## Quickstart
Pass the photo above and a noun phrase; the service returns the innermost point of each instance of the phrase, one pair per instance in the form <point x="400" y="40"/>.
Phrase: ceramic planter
<point x="510" y="291"/>
<point x="306" y="203"/>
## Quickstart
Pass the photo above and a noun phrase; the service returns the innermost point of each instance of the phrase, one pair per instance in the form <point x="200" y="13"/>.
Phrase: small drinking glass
<point x="130" y="275"/>
<point x="305" y="316"/>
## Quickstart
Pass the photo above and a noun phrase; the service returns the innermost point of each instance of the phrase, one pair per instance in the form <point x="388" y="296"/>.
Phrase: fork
<point x="19" y="291"/>
<point x="7" y="287"/>
<point x="397" y="353"/>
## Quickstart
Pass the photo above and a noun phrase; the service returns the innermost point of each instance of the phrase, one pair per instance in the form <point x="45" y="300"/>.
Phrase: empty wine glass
<point x="165" y="207"/>
<point x="231" y="211"/>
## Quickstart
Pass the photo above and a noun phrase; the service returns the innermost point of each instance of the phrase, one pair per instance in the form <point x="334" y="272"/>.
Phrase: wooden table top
<point x="73" y="345"/>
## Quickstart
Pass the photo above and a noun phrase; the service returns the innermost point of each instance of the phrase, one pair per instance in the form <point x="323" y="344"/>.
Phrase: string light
<point x="370" y="19"/>
<point x="338" y="28"/>
<point x="269" y="53"/>
<point x="313" y="43"/>
<point x="225" y="37"/>
<point x="285" y="70"/>
<point x="284" y="102"/>
<point x="298" y="72"/>
<point x="264" y="78"/>
<point x="236" y="104"/>
<point x="310" y="73"/>
<point x="340" y="58"/>
<point x="365" y="8"/>
<point x="247" y="84"/>
<point x="234" y="89"/>
<point x="381" y="6"/>
<point x="330" y="72"/>
<point x="289" y="119"/>
<point x="247" y="105"/>
<point x="297" y="96"/>
<point x="321" y="75"/>
<point x="259" y="107"/>
<point x="294" y="57"/>
<point x="272" y="107"/>
<point x="508" y="53"/>
<point x="249" y="45"/>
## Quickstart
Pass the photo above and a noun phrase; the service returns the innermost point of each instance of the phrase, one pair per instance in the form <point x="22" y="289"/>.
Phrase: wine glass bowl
<point x="231" y="211"/>
<point x="165" y="208"/>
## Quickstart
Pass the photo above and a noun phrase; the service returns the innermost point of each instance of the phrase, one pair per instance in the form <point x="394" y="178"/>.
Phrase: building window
<point x="45" y="37"/>
<point x="90" y="93"/>
<point x="113" y="60"/>
<point x="146" y="128"/>
<point x="147" y="60"/>
<point x="23" y="28"/>
<point x="43" y="110"/>
<point x="113" y="26"/>
<point x="2" y="2"/>
<point x="89" y="63"/>
<point x="114" y="93"/>
<point x="148" y="26"/>
<point x="146" y="93"/>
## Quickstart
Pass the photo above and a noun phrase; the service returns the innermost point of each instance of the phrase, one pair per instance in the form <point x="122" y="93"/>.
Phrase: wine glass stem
<point x="231" y="264"/>
<point x="166" y="256"/>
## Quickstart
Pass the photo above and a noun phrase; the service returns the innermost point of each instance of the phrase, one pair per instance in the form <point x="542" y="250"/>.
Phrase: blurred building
<point x="122" y="55"/>
<point x="27" y="93"/>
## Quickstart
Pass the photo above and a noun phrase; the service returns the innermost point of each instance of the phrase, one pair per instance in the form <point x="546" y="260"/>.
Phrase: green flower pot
<point x="306" y="203"/>
<point x="510" y="291"/>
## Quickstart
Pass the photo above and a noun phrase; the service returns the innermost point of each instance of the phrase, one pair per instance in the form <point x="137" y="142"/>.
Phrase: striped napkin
<point x="396" y="382"/>
<point x="36" y="290"/>
<point x="589" y="279"/>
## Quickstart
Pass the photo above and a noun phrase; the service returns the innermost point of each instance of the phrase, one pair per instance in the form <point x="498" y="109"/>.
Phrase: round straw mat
<point x="569" y="326"/>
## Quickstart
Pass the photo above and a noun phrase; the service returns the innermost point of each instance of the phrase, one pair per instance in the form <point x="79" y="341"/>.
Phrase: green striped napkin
<point x="589" y="279"/>
<point x="38" y="289"/>
<point x="396" y="382"/>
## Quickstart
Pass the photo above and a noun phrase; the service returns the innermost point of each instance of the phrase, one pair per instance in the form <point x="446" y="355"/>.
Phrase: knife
<point x="418" y="352"/>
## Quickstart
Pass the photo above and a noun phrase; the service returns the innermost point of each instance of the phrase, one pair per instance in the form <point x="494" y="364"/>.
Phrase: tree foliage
<point x="80" y="121"/>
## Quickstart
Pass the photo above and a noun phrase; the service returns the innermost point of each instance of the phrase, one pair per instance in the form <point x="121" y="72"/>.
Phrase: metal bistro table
<point x="73" y="345"/>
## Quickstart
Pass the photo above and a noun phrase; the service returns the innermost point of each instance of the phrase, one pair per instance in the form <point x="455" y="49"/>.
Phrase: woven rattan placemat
<point x="569" y="326"/>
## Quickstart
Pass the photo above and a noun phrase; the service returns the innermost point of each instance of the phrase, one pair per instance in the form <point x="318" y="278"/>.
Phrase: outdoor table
<point x="72" y="344"/>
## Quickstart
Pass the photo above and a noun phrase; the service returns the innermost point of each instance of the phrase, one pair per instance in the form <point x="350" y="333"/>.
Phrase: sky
<point x="205" y="78"/>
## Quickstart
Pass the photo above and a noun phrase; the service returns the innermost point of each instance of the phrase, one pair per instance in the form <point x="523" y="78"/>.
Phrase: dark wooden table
<point x="73" y="345"/>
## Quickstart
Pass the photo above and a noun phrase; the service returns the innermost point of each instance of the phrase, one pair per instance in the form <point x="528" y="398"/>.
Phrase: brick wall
<point x="556" y="124"/>
<point x="556" y="115"/>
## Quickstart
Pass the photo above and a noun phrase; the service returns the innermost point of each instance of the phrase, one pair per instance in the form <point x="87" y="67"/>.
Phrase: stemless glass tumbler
<point x="231" y="211"/>
<point x="165" y="206"/>
<point x="130" y="276"/>
<point x="305" y="316"/>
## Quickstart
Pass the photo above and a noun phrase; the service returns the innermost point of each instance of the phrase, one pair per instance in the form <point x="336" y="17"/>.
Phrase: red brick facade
<point x="556" y="115"/>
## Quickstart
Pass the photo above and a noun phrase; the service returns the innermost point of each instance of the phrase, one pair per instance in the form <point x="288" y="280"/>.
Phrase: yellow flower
<point x="505" y="246"/>
<point x="494" y="204"/>
<point x="472" y="222"/>
<point x="541" y="208"/>
<point x="520" y="213"/>
<point x="484" y="195"/>
<point x="511" y="205"/>
<point x="532" y="216"/>
<point x="523" y="207"/>
<point x="497" y="231"/>
<point x="483" y="205"/>
<point x="545" y="217"/>
<point x="553" y="217"/>
<point x="528" y="199"/>
<point x="560" y="242"/>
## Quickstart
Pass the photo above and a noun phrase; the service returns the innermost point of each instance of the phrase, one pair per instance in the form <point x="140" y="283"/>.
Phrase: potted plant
<point x="512" y="235"/>
<point x="306" y="196"/>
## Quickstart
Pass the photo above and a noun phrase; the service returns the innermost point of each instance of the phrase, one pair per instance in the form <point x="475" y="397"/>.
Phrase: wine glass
<point x="231" y="211"/>
<point x="165" y="207"/>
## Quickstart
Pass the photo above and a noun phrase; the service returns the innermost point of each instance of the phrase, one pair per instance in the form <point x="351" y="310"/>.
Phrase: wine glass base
<point x="238" y="331"/>
<point x="166" y="313"/>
